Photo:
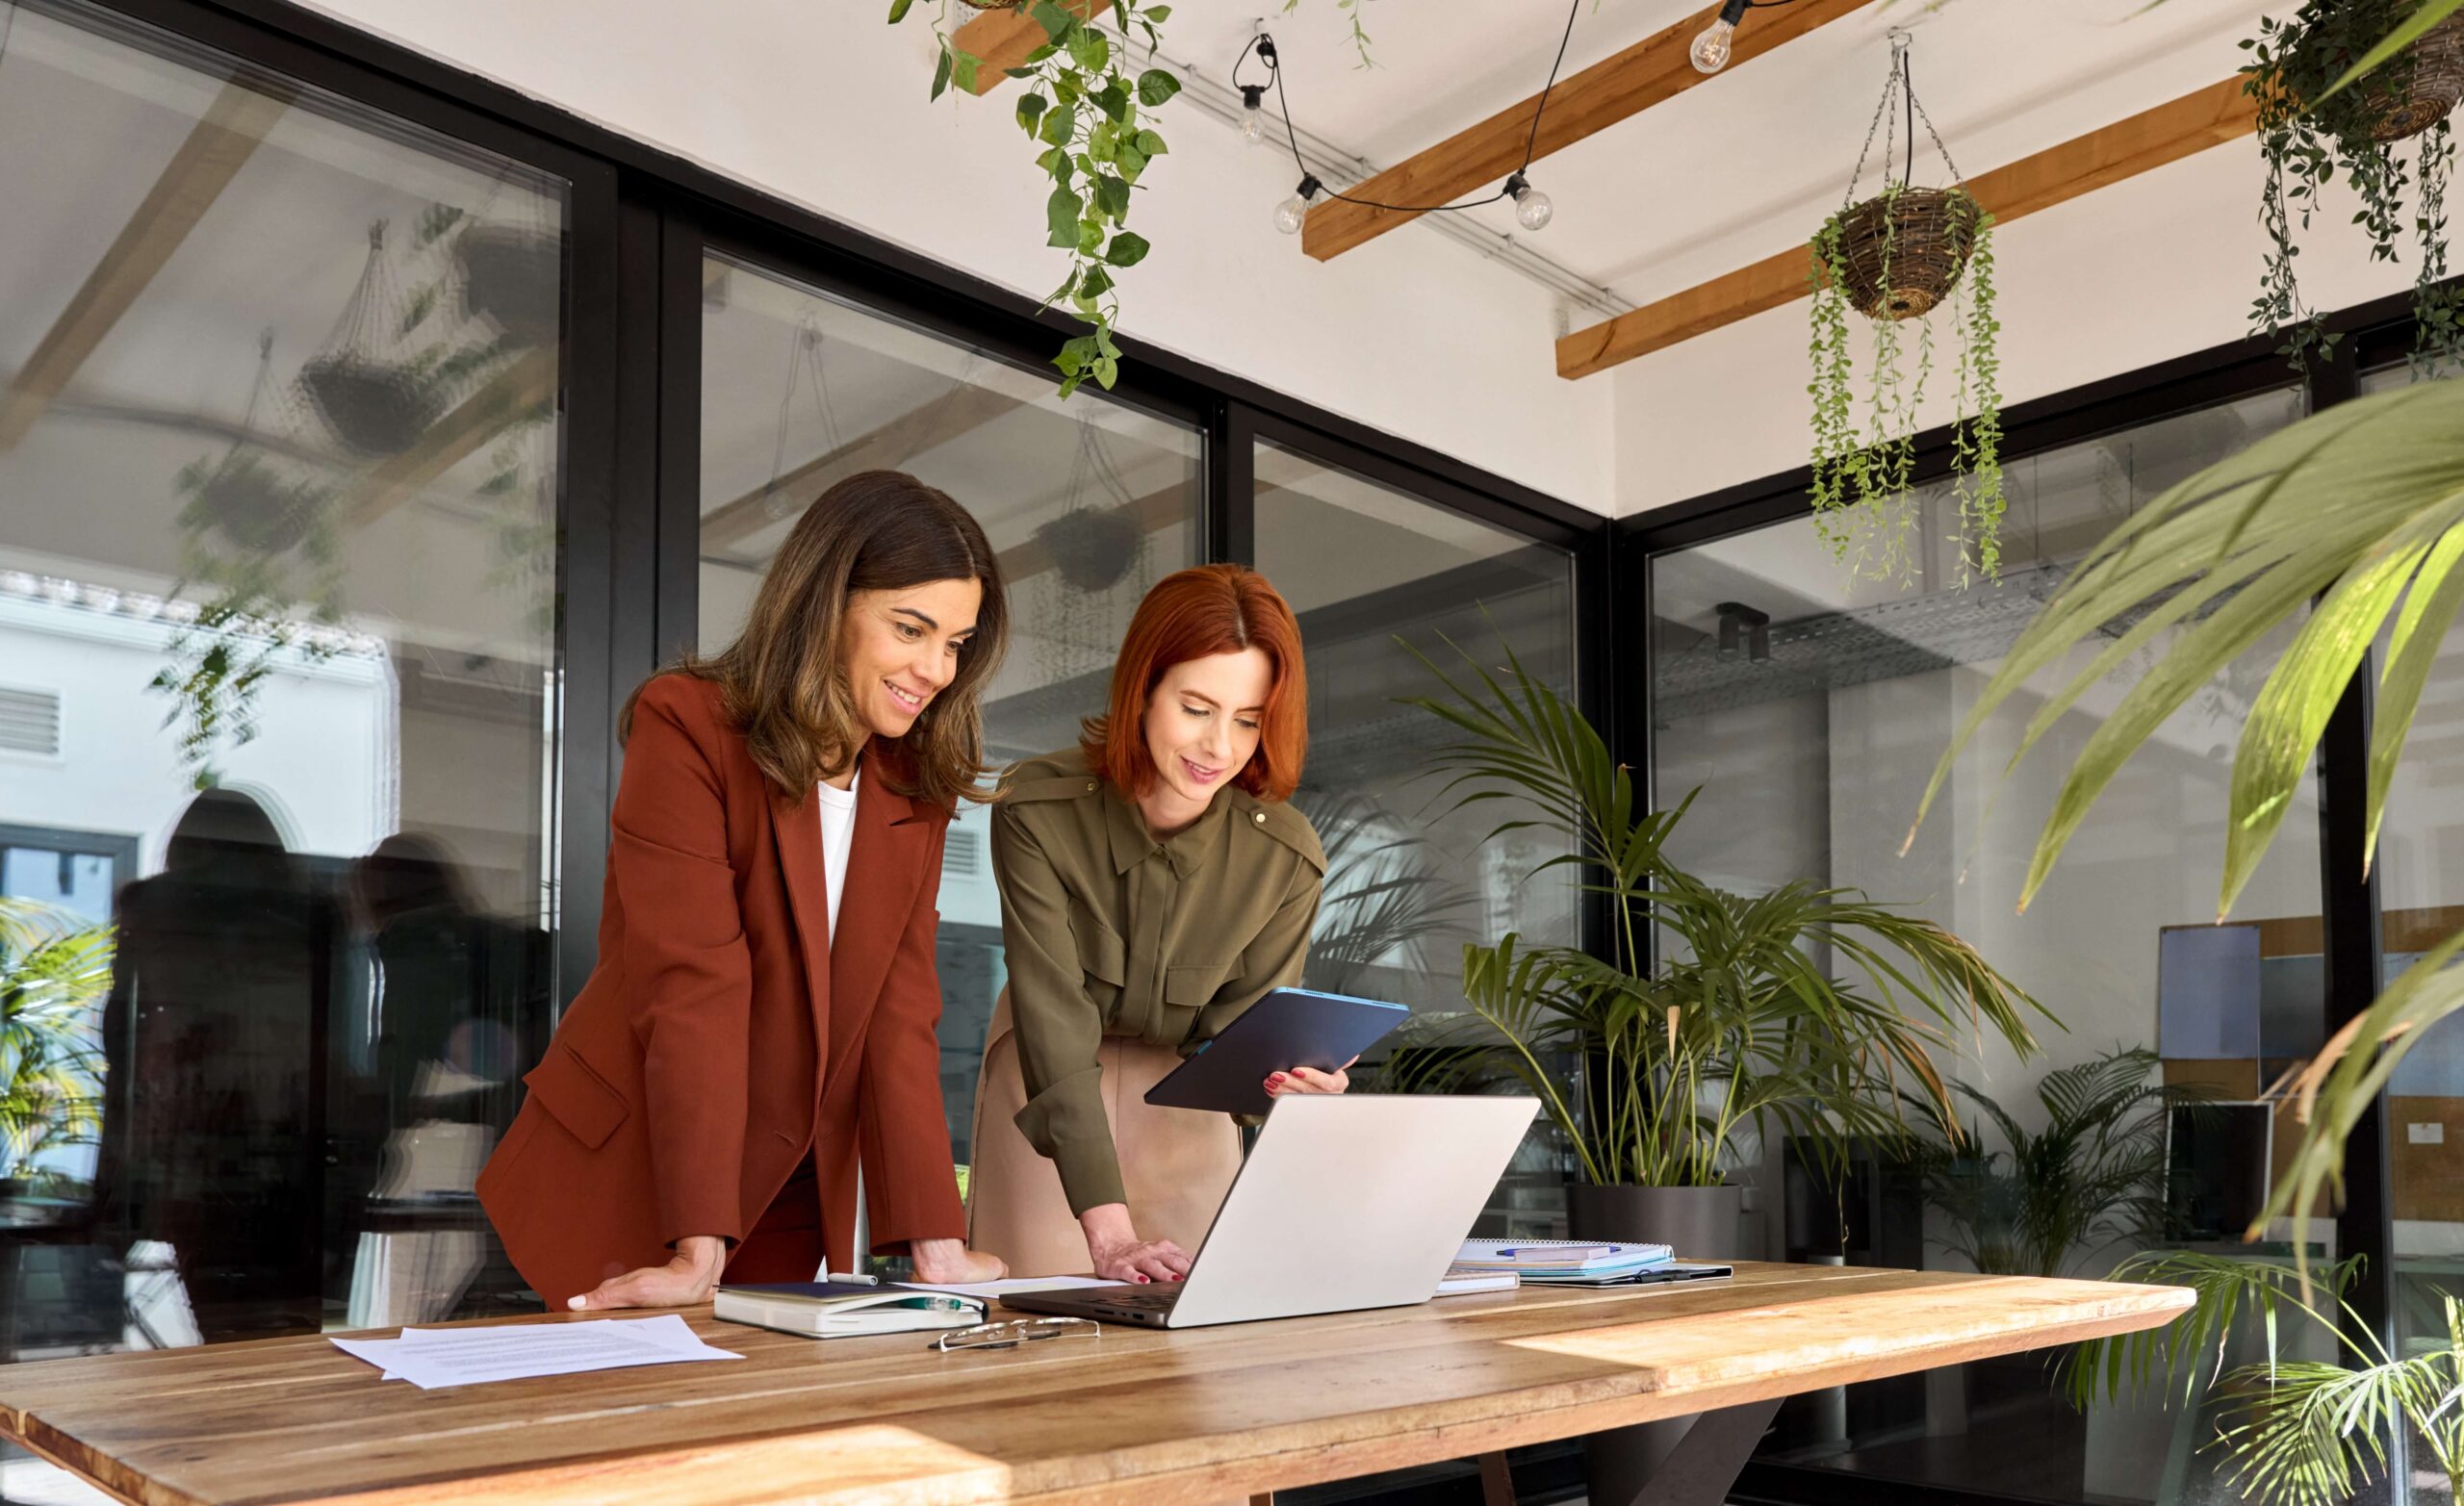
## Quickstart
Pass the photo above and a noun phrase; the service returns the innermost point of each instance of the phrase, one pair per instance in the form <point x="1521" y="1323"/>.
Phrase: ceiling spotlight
<point x="1710" y="50"/>
<point x="1533" y="210"/>
<point x="1744" y="626"/>
<point x="1254" y="115"/>
<point x="1293" y="212"/>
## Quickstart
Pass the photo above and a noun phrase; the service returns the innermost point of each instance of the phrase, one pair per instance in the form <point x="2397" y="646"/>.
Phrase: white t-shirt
<point x="837" y="836"/>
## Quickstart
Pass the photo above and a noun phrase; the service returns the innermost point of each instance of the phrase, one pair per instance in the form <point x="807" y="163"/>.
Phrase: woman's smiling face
<point x="1202" y="726"/>
<point x="900" y="649"/>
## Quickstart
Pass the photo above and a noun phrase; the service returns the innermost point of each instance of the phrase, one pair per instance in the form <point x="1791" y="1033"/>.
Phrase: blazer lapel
<point x="884" y="865"/>
<point x="797" y="828"/>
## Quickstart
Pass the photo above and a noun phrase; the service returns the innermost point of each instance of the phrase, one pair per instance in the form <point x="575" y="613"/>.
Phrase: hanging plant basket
<point x="511" y="277"/>
<point x="249" y="503"/>
<point x="1901" y="252"/>
<point x="2434" y="89"/>
<point x="1897" y="257"/>
<point x="1092" y="548"/>
<point x="375" y="407"/>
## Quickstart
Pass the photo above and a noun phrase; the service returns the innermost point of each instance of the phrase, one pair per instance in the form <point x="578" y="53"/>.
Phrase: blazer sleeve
<point x="910" y="1188"/>
<point x="1059" y="1030"/>
<point x="688" y="971"/>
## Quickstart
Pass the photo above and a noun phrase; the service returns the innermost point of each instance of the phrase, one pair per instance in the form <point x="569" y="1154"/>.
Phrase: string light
<point x="1532" y="209"/>
<point x="1712" y="49"/>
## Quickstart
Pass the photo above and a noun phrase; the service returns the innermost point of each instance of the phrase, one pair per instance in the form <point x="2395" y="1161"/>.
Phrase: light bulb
<point x="1292" y="212"/>
<point x="1710" y="50"/>
<point x="1253" y="116"/>
<point x="1532" y="209"/>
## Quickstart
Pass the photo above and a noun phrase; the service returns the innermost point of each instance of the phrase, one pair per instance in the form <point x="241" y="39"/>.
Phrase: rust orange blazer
<point x="722" y="1037"/>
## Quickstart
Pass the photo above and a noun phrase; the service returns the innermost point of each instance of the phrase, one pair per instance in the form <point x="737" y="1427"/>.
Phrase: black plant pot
<point x="513" y="279"/>
<point x="375" y="408"/>
<point x="1092" y="548"/>
<point x="1700" y="1224"/>
<point x="255" y="508"/>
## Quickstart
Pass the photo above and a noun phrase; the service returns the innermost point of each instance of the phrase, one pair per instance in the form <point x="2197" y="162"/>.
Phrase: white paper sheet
<point x="999" y="1288"/>
<point x="430" y="1358"/>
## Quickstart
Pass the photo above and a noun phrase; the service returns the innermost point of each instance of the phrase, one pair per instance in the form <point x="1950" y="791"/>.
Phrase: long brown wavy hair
<point x="785" y="685"/>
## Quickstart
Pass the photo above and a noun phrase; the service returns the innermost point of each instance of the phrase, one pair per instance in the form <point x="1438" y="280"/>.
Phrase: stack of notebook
<point x="1563" y="1262"/>
<point x="836" y="1308"/>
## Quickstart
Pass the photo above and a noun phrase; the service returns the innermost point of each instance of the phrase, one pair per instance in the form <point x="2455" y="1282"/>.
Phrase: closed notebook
<point x="838" y="1309"/>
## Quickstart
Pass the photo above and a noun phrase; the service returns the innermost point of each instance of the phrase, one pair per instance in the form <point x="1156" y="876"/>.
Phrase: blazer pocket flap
<point x="1100" y="951"/>
<point x="1192" y="986"/>
<point x="579" y="1098"/>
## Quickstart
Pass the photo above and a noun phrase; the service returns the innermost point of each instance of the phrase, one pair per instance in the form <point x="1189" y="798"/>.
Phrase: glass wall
<point x="1088" y="504"/>
<point x="1810" y="739"/>
<point x="1378" y="576"/>
<point x="280" y="470"/>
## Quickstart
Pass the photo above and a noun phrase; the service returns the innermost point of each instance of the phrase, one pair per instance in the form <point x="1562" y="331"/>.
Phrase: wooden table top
<point x="1136" y="1415"/>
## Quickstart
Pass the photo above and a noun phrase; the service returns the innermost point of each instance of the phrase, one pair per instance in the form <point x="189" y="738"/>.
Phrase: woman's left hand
<point x="1309" y="1080"/>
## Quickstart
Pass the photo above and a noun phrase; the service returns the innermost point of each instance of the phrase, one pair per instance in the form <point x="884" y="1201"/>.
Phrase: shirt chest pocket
<point x="1101" y="957"/>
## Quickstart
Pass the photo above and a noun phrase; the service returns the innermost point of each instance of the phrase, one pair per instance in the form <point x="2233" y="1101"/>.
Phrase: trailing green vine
<point x="2311" y="133"/>
<point x="1976" y="435"/>
<point x="1087" y="112"/>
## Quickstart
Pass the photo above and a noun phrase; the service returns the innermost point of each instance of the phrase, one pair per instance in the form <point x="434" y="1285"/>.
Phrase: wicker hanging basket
<point x="2437" y="84"/>
<point x="1902" y="253"/>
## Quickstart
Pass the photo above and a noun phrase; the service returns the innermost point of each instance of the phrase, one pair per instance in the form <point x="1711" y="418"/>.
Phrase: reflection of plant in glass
<point x="2094" y="1172"/>
<point x="55" y="971"/>
<point x="1734" y="1024"/>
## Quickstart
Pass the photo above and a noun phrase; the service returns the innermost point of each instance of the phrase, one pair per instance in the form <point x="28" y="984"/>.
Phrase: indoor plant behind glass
<point x="1711" y="1013"/>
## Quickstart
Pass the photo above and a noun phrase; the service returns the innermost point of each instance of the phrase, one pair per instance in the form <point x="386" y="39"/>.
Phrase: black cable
<point x="1908" y="90"/>
<point x="1263" y="45"/>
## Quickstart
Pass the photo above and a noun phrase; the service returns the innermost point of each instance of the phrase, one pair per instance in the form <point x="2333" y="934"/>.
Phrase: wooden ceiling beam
<point x="1000" y="40"/>
<point x="2179" y="128"/>
<point x="222" y="139"/>
<point x="963" y="408"/>
<point x="1650" y="72"/>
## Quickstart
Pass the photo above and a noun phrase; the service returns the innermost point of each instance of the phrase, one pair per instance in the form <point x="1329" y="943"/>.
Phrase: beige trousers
<point x="1176" y="1164"/>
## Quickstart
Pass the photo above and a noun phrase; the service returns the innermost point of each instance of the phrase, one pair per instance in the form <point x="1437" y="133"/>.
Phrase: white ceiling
<point x="1745" y="164"/>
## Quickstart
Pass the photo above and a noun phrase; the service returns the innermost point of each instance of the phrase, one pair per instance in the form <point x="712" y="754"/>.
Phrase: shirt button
<point x="1090" y="786"/>
<point x="1259" y="817"/>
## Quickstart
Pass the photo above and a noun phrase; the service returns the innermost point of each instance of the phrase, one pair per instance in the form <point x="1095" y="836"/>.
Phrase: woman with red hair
<point x="1154" y="883"/>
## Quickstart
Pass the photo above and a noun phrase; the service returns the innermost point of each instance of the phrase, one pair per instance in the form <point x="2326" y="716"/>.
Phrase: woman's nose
<point x="936" y="668"/>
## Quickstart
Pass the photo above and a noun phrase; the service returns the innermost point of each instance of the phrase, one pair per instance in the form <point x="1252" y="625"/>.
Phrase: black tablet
<point x="1288" y="1028"/>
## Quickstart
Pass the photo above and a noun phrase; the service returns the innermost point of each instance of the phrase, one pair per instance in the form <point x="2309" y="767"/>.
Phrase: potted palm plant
<point x="1712" y="1015"/>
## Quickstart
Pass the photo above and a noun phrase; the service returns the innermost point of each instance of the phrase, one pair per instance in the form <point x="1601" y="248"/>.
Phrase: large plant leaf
<point x="2348" y="504"/>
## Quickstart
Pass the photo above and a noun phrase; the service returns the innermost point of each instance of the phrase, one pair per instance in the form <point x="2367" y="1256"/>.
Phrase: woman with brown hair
<point x="1155" y="882"/>
<point x="750" y="1082"/>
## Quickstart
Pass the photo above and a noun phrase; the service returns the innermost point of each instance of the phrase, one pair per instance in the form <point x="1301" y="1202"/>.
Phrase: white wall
<point x="2152" y="267"/>
<point x="1425" y="339"/>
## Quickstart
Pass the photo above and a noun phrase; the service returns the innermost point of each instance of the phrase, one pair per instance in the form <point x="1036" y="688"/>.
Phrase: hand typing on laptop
<point x="1120" y="1255"/>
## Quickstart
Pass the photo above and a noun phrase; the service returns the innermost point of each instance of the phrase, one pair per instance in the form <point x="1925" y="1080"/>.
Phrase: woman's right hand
<point x="1118" y="1254"/>
<point x="682" y="1281"/>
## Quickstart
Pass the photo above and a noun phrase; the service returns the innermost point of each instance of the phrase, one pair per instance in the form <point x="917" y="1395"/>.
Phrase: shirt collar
<point x="1186" y="851"/>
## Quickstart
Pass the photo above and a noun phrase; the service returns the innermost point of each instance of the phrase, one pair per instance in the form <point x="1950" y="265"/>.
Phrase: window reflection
<point x="279" y="477"/>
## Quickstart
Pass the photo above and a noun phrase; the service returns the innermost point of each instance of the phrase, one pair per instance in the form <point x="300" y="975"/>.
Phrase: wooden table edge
<point x="1279" y="1466"/>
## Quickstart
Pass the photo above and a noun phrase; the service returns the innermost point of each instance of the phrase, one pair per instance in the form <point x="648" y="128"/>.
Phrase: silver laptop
<point x="1347" y="1202"/>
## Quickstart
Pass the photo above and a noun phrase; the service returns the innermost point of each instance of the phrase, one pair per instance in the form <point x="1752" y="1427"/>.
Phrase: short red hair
<point x="1189" y="614"/>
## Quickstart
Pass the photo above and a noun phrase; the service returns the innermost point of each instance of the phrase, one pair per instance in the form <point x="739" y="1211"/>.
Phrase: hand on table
<point x="943" y="1262"/>
<point x="684" y="1281"/>
<point x="1309" y="1080"/>
<point x="1118" y="1254"/>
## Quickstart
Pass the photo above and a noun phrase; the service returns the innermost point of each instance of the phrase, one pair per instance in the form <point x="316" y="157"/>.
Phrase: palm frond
<point x="2188" y="1353"/>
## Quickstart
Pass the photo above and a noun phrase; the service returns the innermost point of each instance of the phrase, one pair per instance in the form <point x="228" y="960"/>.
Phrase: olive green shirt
<point x="1112" y="932"/>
